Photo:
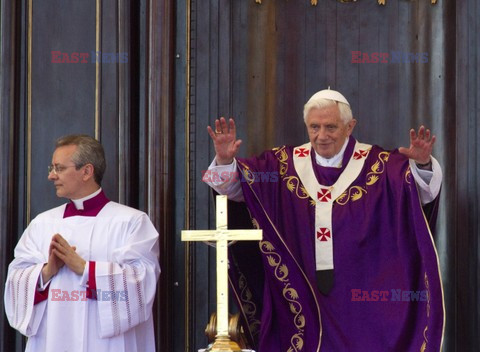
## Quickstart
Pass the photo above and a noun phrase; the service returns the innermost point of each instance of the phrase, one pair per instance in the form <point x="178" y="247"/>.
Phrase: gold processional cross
<point x="221" y="236"/>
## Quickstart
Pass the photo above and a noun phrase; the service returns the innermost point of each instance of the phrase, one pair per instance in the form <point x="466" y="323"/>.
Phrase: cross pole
<point x="221" y="236"/>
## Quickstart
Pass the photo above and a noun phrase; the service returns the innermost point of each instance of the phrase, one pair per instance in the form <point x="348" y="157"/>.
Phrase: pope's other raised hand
<point x="421" y="146"/>
<point x="224" y="140"/>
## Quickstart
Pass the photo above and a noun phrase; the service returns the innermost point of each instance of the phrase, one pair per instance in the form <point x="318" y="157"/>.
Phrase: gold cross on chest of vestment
<point x="221" y="236"/>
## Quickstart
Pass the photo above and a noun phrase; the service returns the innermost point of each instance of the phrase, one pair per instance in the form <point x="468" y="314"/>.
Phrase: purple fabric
<point x="91" y="207"/>
<point x="381" y="244"/>
<point x="327" y="176"/>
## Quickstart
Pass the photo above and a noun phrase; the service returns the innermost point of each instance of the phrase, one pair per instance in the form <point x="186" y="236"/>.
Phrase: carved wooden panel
<point x="103" y="68"/>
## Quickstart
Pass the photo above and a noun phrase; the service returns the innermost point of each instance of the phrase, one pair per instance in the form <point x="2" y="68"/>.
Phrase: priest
<point x="84" y="274"/>
<point x="348" y="261"/>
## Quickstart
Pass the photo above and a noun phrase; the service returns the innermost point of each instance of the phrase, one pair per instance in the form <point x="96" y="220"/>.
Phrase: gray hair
<point x="89" y="151"/>
<point x="320" y="103"/>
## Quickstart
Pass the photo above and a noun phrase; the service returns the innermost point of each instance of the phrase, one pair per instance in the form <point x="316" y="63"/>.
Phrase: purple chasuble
<point x="91" y="207"/>
<point x="387" y="293"/>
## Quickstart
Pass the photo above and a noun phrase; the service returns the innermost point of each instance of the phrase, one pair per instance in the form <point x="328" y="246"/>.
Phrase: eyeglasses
<point x="57" y="169"/>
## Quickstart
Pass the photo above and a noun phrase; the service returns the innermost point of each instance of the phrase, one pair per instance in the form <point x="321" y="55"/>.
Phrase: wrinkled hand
<point x="421" y="146"/>
<point x="53" y="265"/>
<point x="66" y="253"/>
<point x="224" y="140"/>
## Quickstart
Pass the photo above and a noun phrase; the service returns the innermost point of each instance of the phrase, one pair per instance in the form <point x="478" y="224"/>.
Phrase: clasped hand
<point x="60" y="253"/>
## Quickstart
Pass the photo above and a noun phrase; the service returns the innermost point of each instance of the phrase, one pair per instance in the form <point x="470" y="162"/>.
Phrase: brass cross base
<point x="224" y="344"/>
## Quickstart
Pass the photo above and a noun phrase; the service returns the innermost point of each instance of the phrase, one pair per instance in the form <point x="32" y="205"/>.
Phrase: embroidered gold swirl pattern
<point x="255" y="223"/>
<point x="355" y="193"/>
<point x="423" y="348"/>
<point x="424" y="345"/>
<point x="407" y="175"/>
<point x="428" y="295"/>
<point x="296" y="342"/>
<point x="248" y="306"/>
<point x="282" y="157"/>
<point x="248" y="175"/>
<point x="281" y="270"/>
<point x="291" y="295"/>
<point x="294" y="185"/>
<point x="292" y="182"/>
<point x="288" y="292"/>
<point x="377" y="168"/>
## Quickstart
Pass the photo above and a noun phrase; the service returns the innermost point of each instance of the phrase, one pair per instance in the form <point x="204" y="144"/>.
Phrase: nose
<point x="52" y="176"/>
<point x="322" y="134"/>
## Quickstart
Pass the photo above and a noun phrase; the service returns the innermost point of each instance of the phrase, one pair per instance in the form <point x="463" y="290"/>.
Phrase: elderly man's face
<point x="67" y="179"/>
<point x="326" y="130"/>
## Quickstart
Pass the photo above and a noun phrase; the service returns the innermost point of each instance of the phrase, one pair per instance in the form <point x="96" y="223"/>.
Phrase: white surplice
<point x="124" y="245"/>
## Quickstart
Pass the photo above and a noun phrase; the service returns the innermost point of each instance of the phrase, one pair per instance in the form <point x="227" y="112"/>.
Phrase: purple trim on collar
<point x="91" y="207"/>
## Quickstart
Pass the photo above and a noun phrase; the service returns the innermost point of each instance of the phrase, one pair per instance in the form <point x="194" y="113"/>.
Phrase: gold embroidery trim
<point x="248" y="174"/>
<point x="296" y="343"/>
<point x="249" y="307"/>
<point x="428" y="294"/>
<point x="423" y="348"/>
<point x="355" y="193"/>
<point x="407" y="175"/>
<point x="282" y="157"/>
<point x="425" y="342"/>
<point x="377" y="168"/>
<point x="293" y="183"/>
<point x="288" y="292"/>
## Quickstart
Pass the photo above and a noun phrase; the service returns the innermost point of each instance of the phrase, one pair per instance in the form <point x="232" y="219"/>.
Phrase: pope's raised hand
<point x="224" y="140"/>
<point x="421" y="146"/>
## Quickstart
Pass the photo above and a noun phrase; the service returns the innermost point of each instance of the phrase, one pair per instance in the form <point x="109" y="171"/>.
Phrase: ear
<point x="350" y="126"/>
<point x="88" y="172"/>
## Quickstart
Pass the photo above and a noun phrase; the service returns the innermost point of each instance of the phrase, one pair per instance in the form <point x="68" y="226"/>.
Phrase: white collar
<point x="334" y="161"/>
<point x="79" y="202"/>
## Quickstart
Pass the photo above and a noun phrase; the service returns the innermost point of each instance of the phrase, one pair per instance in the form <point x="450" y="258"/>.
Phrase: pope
<point x="343" y="217"/>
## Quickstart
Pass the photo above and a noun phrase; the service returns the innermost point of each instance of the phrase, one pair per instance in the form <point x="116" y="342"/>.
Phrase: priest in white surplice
<point x="84" y="274"/>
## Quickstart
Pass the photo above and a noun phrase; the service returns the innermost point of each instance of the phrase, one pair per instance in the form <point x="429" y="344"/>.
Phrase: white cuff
<point x="40" y="285"/>
<point x="84" y="278"/>
<point x="429" y="182"/>
<point x="225" y="180"/>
